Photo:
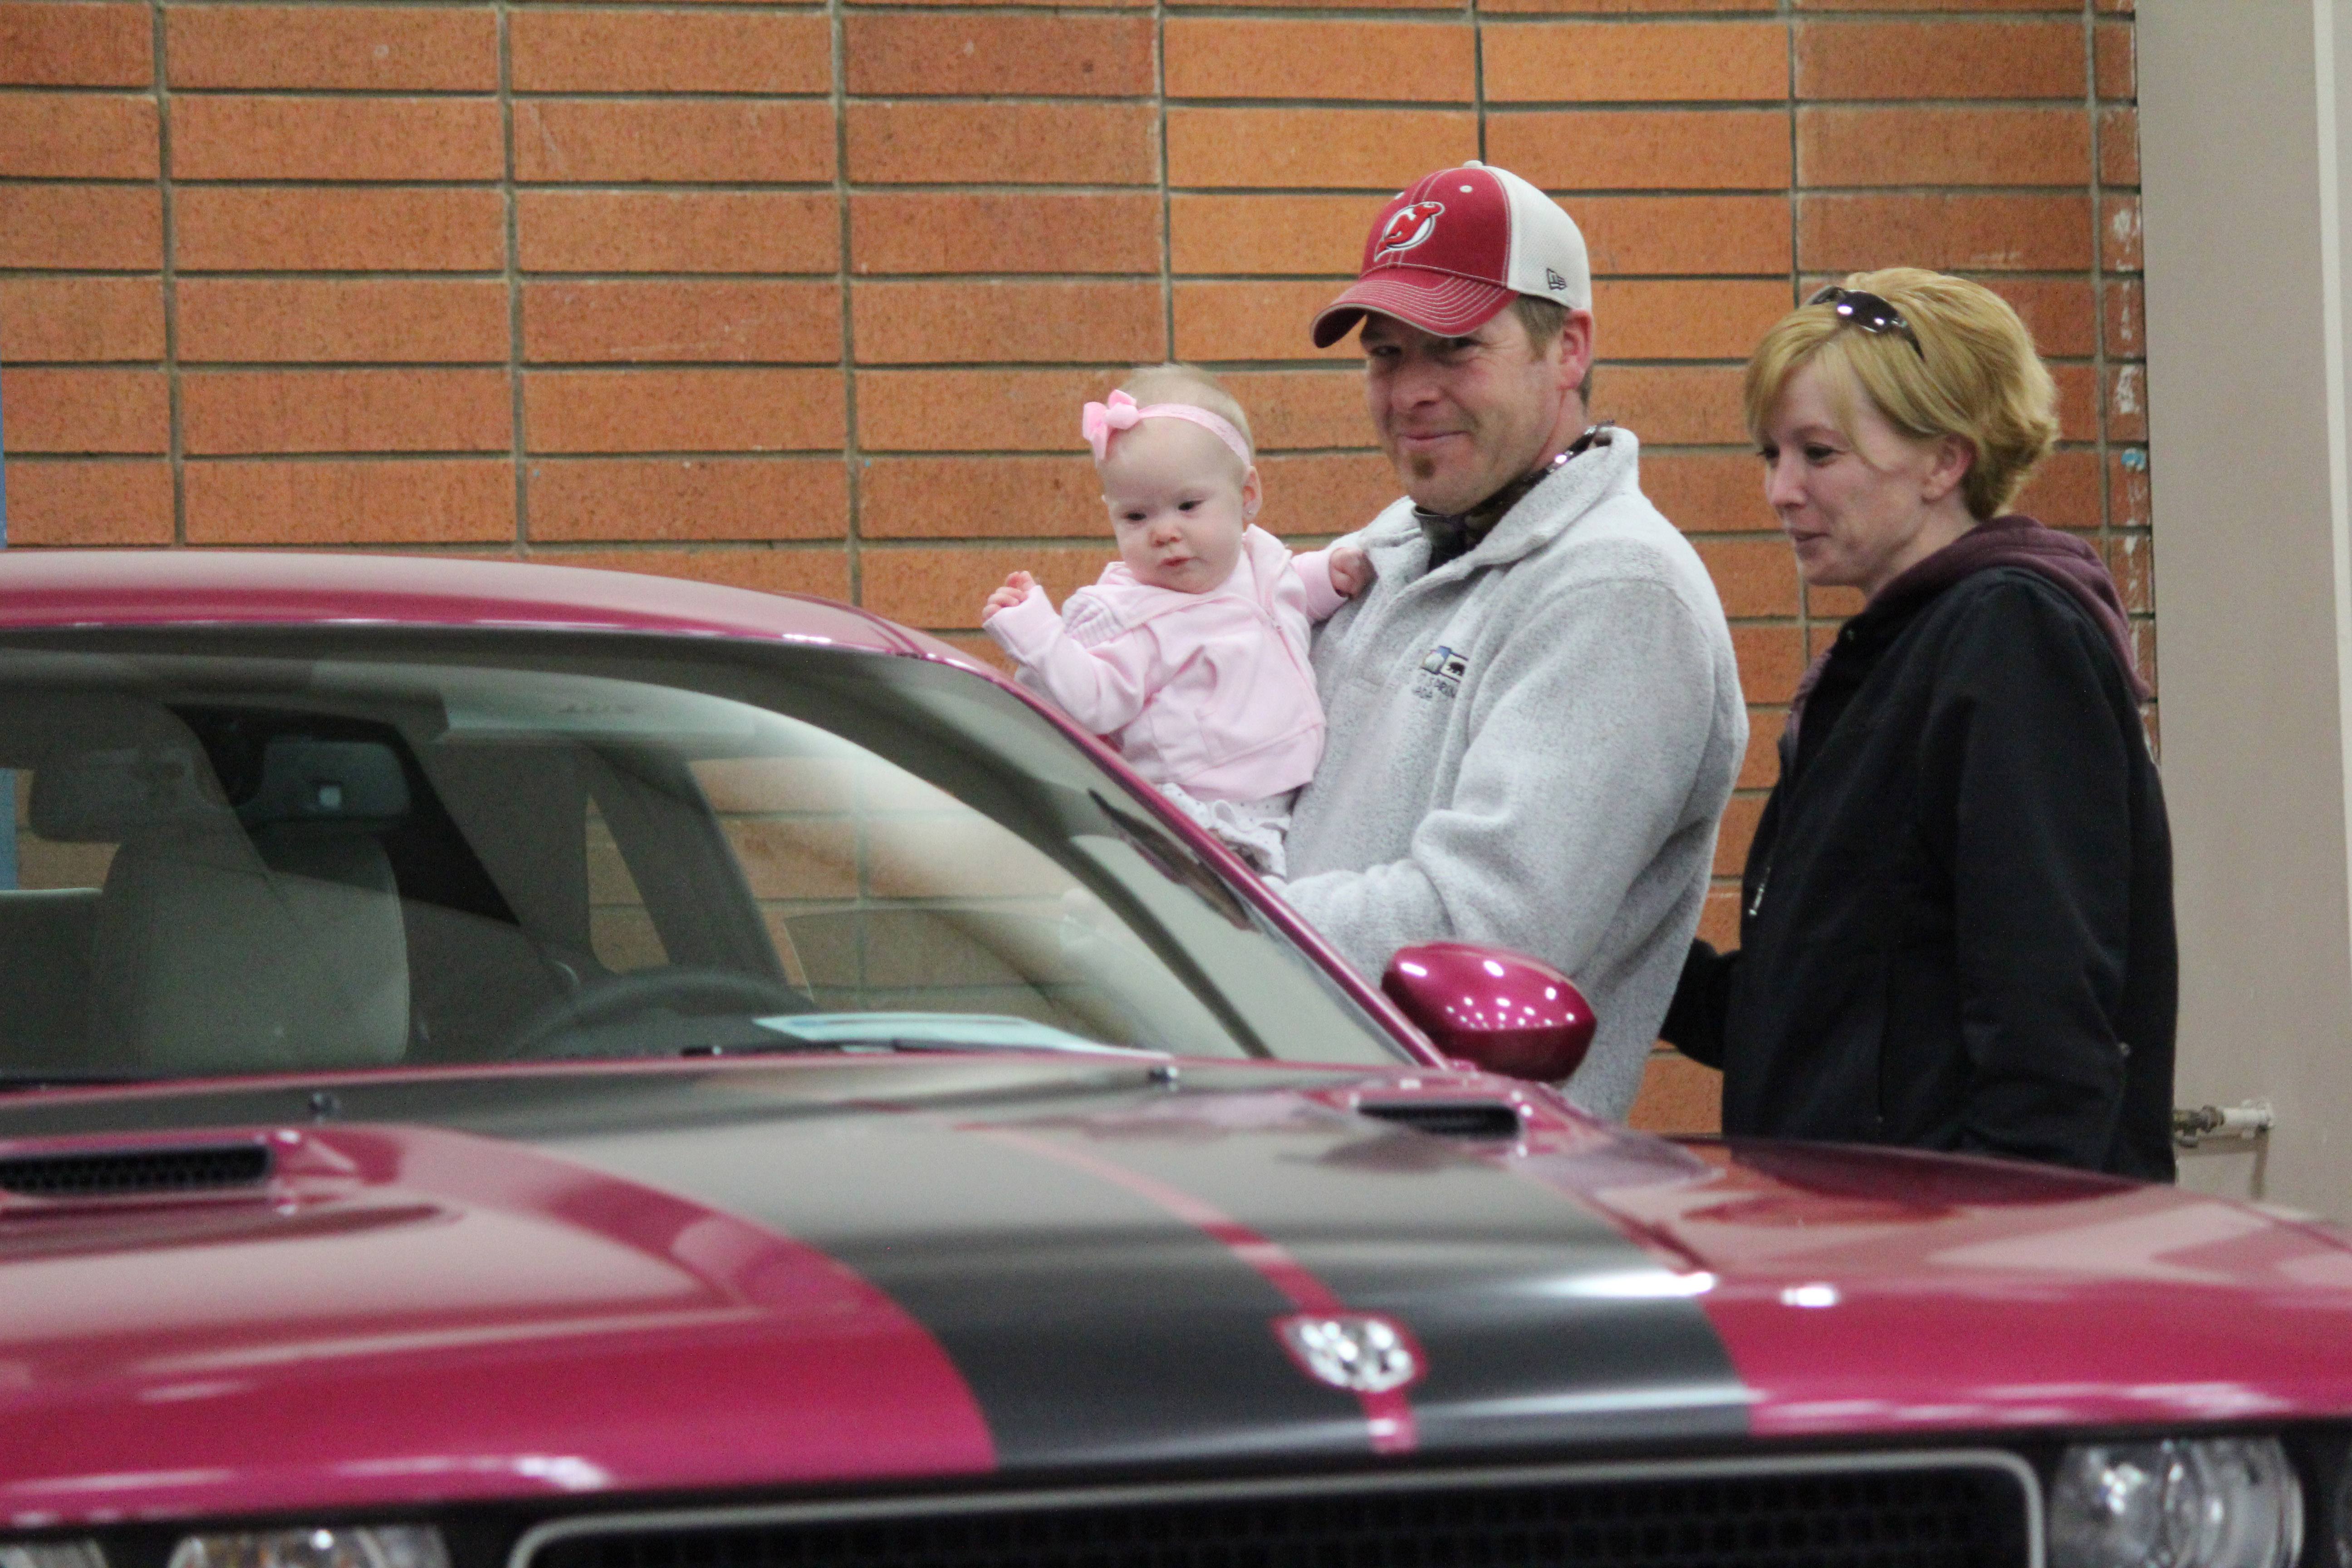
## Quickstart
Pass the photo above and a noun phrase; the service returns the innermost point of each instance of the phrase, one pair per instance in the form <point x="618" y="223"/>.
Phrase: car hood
<point x="826" y="1273"/>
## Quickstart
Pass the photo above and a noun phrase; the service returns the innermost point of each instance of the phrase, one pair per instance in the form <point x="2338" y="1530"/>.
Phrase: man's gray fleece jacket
<point x="1529" y="747"/>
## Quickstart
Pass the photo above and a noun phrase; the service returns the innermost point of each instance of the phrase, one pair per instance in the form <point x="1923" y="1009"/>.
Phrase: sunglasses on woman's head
<point x="1860" y="308"/>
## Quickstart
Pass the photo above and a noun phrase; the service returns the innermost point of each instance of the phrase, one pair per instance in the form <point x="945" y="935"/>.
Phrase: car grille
<point x="1837" y="1514"/>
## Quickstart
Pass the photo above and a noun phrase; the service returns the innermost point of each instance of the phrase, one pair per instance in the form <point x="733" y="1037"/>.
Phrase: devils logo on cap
<point x="1409" y="226"/>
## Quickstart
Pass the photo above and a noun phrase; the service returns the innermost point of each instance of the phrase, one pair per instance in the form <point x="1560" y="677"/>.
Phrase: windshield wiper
<point x="933" y="1032"/>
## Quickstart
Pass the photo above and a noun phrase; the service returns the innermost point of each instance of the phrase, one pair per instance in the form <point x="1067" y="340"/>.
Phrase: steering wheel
<point x="610" y="996"/>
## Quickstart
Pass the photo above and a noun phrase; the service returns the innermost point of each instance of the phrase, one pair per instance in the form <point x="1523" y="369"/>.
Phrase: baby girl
<point x="1190" y="655"/>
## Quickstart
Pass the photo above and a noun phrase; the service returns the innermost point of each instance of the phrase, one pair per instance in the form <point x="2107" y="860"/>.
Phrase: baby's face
<point x="1179" y="500"/>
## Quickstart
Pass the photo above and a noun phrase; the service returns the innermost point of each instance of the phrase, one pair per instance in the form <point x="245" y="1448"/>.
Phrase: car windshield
<point x="245" y="852"/>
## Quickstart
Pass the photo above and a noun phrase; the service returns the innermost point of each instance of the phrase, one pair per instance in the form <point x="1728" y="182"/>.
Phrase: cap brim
<point x="1445" y="304"/>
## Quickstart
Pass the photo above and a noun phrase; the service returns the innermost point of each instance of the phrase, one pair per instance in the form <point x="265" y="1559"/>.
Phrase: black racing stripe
<point x="1093" y="1327"/>
<point x="1542" y="1322"/>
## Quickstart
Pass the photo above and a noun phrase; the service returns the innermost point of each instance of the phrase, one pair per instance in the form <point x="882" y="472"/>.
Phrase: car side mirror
<point x="1493" y="1008"/>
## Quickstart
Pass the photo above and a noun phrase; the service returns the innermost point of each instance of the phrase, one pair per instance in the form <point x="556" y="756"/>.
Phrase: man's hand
<point x="1017" y="588"/>
<point x="1351" y="570"/>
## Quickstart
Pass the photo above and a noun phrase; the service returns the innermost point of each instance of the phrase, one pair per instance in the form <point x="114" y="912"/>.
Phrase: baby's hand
<point x="1351" y="570"/>
<point x="1017" y="588"/>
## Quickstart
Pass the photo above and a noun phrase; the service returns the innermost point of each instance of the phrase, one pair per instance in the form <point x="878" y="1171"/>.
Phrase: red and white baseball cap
<point x="1450" y="251"/>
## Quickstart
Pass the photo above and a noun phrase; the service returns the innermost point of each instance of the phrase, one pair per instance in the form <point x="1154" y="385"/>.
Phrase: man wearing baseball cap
<point x="1535" y="718"/>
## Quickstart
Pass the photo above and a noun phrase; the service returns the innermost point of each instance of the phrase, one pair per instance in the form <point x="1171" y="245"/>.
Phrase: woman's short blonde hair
<point x="1975" y="375"/>
<point x="1173" y="382"/>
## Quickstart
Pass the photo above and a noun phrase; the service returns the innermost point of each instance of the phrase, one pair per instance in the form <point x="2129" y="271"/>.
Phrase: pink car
<point x="505" y="1067"/>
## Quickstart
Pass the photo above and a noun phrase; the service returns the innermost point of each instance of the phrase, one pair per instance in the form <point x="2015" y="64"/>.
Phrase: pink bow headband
<point x="1121" y="413"/>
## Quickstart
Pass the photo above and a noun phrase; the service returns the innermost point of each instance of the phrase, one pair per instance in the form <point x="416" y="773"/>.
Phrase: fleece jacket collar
<point x="1400" y="552"/>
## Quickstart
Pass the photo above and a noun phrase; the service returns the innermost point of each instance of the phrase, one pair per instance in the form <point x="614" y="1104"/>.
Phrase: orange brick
<point x="301" y="229"/>
<point x="1684" y="234"/>
<point x="388" y="320"/>
<point x="2126" y="403"/>
<point x="979" y="498"/>
<point x="76" y="136"/>
<point x="1738" y="831"/>
<point x="2064" y="490"/>
<point x="689" y="497"/>
<point x="2119" y="234"/>
<point x="973" y="410"/>
<point x="1707" y="492"/>
<point x="2057" y="310"/>
<point x="370" y="49"/>
<point x="679" y="231"/>
<point x="1395" y="62"/>
<point x="81" y="319"/>
<point x="404" y="501"/>
<point x="964" y="231"/>
<point x="1943" y="146"/>
<point x="84" y="410"/>
<point x="669" y="51"/>
<point x="1378" y="149"/>
<point x="233" y="412"/>
<point x="1771" y="661"/>
<point x="683" y="411"/>
<point x="1679" y="1096"/>
<point x="1271" y="233"/>
<point x="1317" y="495"/>
<point x="108" y="227"/>
<point x="1672" y="405"/>
<point x="1996" y="233"/>
<point x="88" y="503"/>
<point x="2078" y="401"/>
<point x="1661" y="149"/>
<point x="1939" y="59"/>
<point x="1621" y="7"/>
<point x="45" y="45"/>
<point x="1718" y="921"/>
<point x="1316" y="5"/>
<point x="241" y="138"/>
<point x="2125" y="7"/>
<point x="1678" y="319"/>
<point x="1254" y="321"/>
<point x="2116" y="66"/>
<point x="961" y="53"/>
<point x="945" y="587"/>
<point x="1291" y="409"/>
<point x="1760" y="767"/>
<point x="1635" y="62"/>
<point x="2144" y="651"/>
<point x="1754" y="577"/>
<point x="1075" y="143"/>
<point x="724" y="140"/>
<point x="952" y="324"/>
<point x="734" y="321"/>
<point x="823" y="573"/>
<point x="2119" y="146"/>
<point x="2127" y="320"/>
<point x="1961" y="5"/>
<point x="2131" y="560"/>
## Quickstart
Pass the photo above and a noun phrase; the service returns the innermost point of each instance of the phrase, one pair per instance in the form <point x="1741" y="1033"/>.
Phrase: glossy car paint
<point x="667" y="1278"/>
<point x="1503" y="1012"/>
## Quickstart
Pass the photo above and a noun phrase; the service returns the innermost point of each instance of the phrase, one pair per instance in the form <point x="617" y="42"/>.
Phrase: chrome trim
<point x="1384" y="1483"/>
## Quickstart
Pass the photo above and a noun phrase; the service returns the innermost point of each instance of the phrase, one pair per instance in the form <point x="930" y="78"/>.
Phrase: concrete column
<point x="2244" y="109"/>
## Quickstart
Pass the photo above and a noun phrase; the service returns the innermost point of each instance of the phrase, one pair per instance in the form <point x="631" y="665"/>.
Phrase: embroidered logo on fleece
<point x="1411" y="226"/>
<point x="1441" y="674"/>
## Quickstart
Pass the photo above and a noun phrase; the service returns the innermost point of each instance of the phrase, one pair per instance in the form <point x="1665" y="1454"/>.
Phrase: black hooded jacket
<point x="1956" y="926"/>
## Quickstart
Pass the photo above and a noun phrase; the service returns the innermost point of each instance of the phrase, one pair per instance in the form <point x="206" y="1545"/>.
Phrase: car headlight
<point x="52" y="1554"/>
<point x="2208" y="1503"/>
<point x="367" y="1546"/>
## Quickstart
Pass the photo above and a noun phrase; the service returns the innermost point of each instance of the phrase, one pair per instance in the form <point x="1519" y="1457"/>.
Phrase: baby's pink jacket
<point x="1211" y="692"/>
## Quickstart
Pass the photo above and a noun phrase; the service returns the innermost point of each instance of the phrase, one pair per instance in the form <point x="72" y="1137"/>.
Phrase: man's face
<point x="1462" y="417"/>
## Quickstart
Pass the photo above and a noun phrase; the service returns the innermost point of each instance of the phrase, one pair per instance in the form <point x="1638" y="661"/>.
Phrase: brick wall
<point x="807" y="297"/>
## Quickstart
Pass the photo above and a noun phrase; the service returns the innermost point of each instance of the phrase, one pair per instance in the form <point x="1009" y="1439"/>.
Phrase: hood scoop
<point x="135" y="1172"/>
<point x="1448" y="1118"/>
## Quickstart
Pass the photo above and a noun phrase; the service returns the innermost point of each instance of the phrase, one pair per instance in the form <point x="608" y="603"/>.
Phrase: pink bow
<point x="1099" y="419"/>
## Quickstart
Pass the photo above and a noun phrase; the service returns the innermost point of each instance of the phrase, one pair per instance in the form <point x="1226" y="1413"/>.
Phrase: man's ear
<point x="1575" y="349"/>
<point x="1252" y="493"/>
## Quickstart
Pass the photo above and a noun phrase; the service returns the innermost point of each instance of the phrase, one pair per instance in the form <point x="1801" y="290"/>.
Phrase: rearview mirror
<point x="1492" y="1008"/>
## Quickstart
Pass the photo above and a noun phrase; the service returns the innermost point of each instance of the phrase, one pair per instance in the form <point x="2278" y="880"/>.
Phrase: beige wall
<point x="2240" y="119"/>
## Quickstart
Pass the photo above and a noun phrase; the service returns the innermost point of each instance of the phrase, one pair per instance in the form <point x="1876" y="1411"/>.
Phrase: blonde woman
<point x="1956" y="926"/>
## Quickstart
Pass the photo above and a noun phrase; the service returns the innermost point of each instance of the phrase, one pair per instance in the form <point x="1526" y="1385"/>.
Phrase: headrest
<point x="106" y="795"/>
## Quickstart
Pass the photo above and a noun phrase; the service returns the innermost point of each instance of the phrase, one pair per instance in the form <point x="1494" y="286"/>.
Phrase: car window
<point x="248" y="852"/>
